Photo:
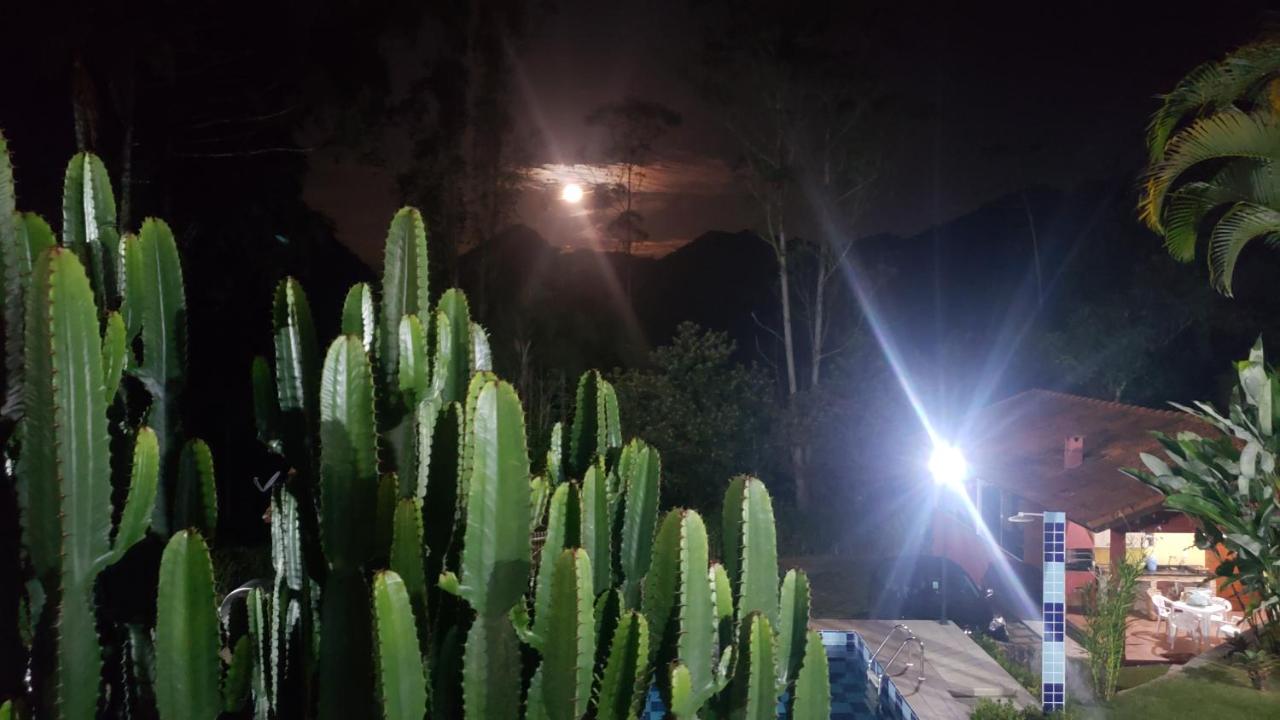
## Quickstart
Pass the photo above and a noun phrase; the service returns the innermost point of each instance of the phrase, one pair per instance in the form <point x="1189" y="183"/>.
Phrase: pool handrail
<point x="911" y="637"/>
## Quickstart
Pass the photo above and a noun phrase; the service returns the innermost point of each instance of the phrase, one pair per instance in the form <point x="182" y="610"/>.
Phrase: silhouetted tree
<point x="633" y="127"/>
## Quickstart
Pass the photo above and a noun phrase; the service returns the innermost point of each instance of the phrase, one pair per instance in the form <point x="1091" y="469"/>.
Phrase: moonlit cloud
<point x="696" y="176"/>
<point x="667" y="190"/>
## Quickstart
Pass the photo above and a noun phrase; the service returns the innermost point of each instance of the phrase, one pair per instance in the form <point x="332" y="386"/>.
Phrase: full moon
<point x="572" y="193"/>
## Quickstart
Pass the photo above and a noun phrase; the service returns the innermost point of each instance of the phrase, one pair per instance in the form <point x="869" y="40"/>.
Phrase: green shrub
<point x="1006" y="710"/>
<point x="1108" y="601"/>
<point x="997" y="710"/>
<point x="1025" y="676"/>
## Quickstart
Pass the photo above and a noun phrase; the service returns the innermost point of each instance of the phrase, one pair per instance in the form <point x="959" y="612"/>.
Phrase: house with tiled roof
<point x="1048" y="451"/>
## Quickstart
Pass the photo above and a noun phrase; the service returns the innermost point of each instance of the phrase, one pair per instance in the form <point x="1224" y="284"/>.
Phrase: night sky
<point x="992" y="98"/>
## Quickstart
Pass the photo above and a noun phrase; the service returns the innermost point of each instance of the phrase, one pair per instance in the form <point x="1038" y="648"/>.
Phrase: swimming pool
<point x="853" y="696"/>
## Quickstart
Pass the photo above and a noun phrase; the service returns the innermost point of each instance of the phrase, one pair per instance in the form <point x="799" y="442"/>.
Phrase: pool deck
<point x="956" y="671"/>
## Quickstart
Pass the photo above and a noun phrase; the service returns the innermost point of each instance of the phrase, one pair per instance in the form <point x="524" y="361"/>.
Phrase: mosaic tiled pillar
<point x="1053" y="657"/>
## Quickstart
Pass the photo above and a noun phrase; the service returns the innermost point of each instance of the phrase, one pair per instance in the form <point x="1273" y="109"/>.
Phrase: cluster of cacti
<point x="82" y="313"/>
<point x="405" y="581"/>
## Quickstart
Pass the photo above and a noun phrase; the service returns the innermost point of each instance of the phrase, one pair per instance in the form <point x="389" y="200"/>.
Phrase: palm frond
<point x="1186" y="210"/>
<point x="1187" y="206"/>
<point x="1214" y="86"/>
<point x="1230" y="133"/>
<point x="1241" y="224"/>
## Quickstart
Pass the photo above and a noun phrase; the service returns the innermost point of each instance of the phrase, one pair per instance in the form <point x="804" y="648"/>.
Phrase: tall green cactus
<point x="639" y="468"/>
<point x="404" y="285"/>
<point x="680" y="608"/>
<point x="626" y="676"/>
<point x="155" y="304"/>
<point x="348" y="456"/>
<point x="563" y="530"/>
<point x="22" y="238"/>
<point x="114" y="354"/>
<point x="195" y="502"/>
<point x="596" y="431"/>
<point x="597" y="523"/>
<point x="89" y="223"/>
<point x="406" y="558"/>
<point x="412" y="386"/>
<point x="751" y="547"/>
<point x="793" y="624"/>
<point x="30" y="236"/>
<point x="753" y="692"/>
<point x="813" y="687"/>
<point x="297" y="377"/>
<point x="569" y="646"/>
<point x="64" y="472"/>
<point x="293" y="610"/>
<point x="402" y="680"/>
<point x="359" y="315"/>
<point x="555" y="455"/>
<point x="439" y="483"/>
<point x="348" y="497"/>
<point x="495" y="553"/>
<point x="453" y="367"/>
<point x="188" y="678"/>
<point x="491" y="670"/>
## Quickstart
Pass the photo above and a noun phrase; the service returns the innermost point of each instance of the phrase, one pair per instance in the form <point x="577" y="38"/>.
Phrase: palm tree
<point x="1213" y="147"/>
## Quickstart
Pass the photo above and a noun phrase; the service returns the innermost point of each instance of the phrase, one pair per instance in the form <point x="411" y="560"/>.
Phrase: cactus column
<point x="65" y="477"/>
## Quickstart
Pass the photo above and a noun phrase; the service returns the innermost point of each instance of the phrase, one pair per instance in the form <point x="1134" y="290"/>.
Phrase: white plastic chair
<point x="1184" y="621"/>
<point x="1225" y="628"/>
<point x="1164" y="609"/>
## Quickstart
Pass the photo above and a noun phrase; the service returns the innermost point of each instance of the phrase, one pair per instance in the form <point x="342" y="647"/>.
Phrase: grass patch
<point x="1135" y="675"/>
<point x="1214" y="690"/>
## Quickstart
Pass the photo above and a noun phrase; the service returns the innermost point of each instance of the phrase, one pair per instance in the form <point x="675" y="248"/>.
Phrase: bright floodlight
<point x="572" y="193"/>
<point x="947" y="465"/>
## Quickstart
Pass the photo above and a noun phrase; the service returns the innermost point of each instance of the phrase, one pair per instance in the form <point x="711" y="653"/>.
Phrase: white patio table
<point x="1203" y="613"/>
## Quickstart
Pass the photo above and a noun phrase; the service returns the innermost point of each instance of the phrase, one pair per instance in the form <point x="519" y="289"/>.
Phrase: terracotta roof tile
<point x="1018" y="445"/>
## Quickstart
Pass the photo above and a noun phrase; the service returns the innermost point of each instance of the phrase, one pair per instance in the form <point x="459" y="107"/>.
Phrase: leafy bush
<point x="997" y="710"/>
<point x="706" y="411"/>
<point x="1259" y="664"/>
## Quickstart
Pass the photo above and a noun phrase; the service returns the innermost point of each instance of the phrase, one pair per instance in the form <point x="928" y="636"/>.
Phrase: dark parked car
<point x="927" y="587"/>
